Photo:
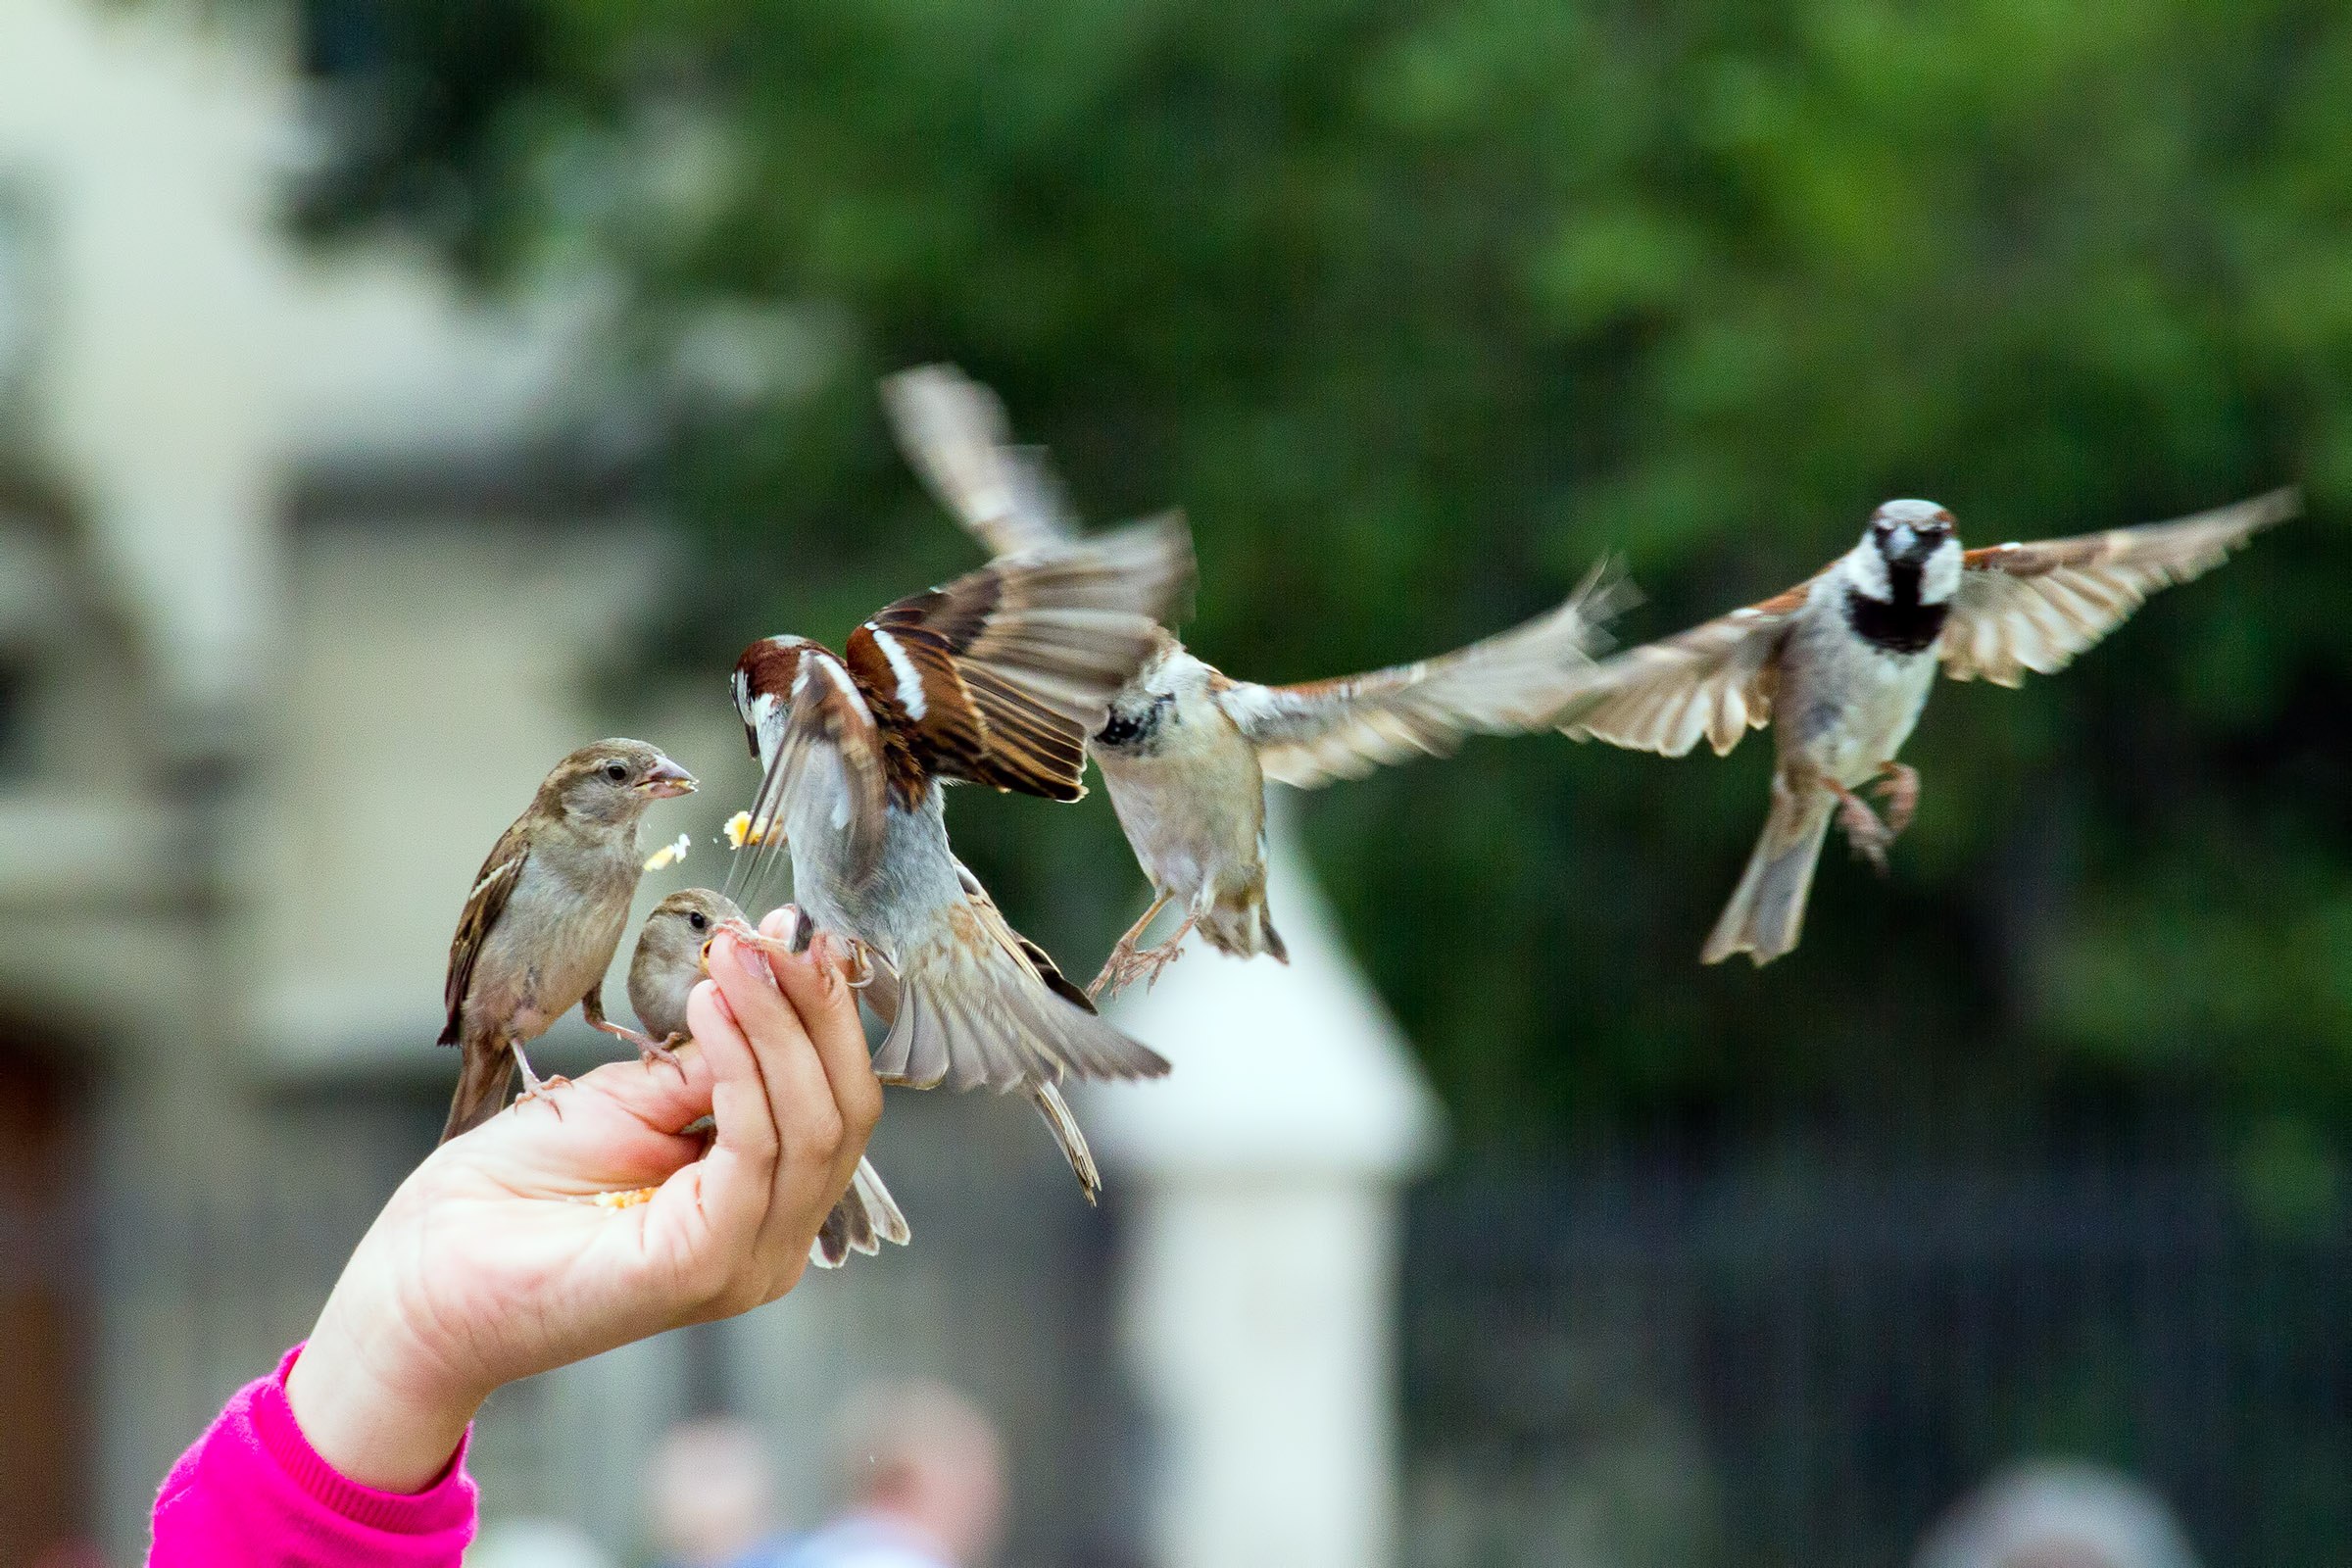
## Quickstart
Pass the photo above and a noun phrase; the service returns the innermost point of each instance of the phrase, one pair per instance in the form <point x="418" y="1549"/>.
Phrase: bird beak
<point x="665" y="780"/>
<point x="706" y="953"/>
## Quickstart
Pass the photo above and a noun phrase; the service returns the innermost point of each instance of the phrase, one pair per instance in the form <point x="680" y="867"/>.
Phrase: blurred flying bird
<point x="672" y="949"/>
<point x="996" y="678"/>
<point x="547" y="911"/>
<point x="1846" y="659"/>
<point x="1186" y="749"/>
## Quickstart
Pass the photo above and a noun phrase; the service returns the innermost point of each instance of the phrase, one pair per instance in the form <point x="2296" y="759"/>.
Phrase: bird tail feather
<point x="1068" y="1138"/>
<point x="1767" y="910"/>
<point x="971" y="1020"/>
<point x="484" y="1083"/>
<point x="865" y="1217"/>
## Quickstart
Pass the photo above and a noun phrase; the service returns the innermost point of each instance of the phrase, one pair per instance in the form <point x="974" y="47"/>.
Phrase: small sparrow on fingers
<point x="547" y="911"/>
<point x="673" y="956"/>
<point x="1185" y="748"/>
<point x="996" y="678"/>
<point x="1846" y="661"/>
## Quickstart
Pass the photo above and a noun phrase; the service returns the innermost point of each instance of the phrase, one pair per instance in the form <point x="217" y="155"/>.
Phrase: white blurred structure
<point x="1257" y="1303"/>
<point x="2059" y="1514"/>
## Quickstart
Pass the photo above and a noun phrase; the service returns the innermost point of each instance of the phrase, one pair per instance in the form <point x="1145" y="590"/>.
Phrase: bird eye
<point x="698" y="920"/>
<point x="617" y="772"/>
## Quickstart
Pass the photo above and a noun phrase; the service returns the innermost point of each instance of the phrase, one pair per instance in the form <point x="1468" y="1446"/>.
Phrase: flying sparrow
<point x="672" y="947"/>
<point x="1846" y="661"/>
<point x="1186" y="749"/>
<point x="996" y="678"/>
<point x="547" y="911"/>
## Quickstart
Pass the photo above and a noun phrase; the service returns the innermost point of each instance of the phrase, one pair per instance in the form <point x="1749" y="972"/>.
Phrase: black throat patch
<point x="1899" y="623"/>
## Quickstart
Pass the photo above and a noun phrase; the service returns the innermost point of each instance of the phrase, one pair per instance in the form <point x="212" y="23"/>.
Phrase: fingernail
<point x="753" y="961"/>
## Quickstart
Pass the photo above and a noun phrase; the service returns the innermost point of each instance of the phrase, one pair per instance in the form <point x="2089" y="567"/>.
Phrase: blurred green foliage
<point x="1417" y="309"/>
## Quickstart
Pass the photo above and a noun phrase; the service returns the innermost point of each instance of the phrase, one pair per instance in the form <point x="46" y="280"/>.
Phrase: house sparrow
<point x="546" y="913"/>
<point x="1186" y="749"/>
<point x="672" y="947"/>
<point x="1846" y="658"/>
<point x="996" y="678"/>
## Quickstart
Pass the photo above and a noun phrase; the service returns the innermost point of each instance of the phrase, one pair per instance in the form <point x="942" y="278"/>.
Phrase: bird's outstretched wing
<point x="1714" y="682"/>
<point x="1000" y="676"/>
<point x="828" y="775"/>
<point x="1528" y="678"/>
<point x="493" y="885"/>
<point x="2035" y="607"/>
<point x="953" y="432"/>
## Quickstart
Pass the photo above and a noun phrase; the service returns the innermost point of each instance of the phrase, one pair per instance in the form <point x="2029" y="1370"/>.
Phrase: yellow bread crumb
<point x="742" y="830"/>
<point x="668" y="855"/>
<point x="629" y="1199"/>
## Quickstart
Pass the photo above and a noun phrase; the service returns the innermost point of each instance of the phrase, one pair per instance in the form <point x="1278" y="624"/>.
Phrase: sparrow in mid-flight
<point x="547" y="911"/>
<point x="996" y="678"/>
<point x="1185" y="748"/>
<point x="1844" y="663"/>
<point x="672" y="948"/>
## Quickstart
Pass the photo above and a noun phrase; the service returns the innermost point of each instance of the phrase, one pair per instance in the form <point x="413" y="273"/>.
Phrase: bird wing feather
<point x="1715" y="682"/>
<point x="828" y="775"/>
<point x="1528" y="678"/>
<point x="493" y="886"/>
<point x="2036" y="606"/>
<point x="1000" y="676"/>
<point x="954" y="433"/>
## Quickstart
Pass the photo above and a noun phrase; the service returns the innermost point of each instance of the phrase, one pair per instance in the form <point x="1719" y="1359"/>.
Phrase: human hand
<point x="493" y="1261"/>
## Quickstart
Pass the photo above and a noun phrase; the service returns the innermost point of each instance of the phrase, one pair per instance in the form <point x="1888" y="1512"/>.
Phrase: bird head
<point x="612" y="782"/>
<point x="761" y="686"/>
<point x="673" y="949"/>
<point x="1912" y="539"/>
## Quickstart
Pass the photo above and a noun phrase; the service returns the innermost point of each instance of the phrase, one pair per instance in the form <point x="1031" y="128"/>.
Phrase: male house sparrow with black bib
<point x="670" y="962"/>
<point x="1845" y="662"/>
<point x="996" y="678"/>
<point x="547" y="911"/>
<point x="1186" y="749"/>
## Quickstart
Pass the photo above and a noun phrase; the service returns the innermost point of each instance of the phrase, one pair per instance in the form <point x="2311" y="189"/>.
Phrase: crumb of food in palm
<point x="742" y="830"/>
<point x="628" y="1199"/>
<point x="669" y="854"/>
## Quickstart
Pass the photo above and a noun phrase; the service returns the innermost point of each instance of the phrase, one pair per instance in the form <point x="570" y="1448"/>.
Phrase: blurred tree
<point x="1417" y="309"/>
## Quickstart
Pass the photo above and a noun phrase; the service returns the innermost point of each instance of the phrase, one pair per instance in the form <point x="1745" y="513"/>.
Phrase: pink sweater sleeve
<point x="252" y="1490"/>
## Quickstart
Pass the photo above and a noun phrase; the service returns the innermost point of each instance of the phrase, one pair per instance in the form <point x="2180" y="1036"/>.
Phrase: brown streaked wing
<point x="2036" y="606"/>
<point x="953" y="431"/>
<point x="1039" y="959"/>
<point x="493" y="885"/>
<point x="1015" y="664"/>
<point x="1713" y="682"/>
<point x="1528" y="678"/>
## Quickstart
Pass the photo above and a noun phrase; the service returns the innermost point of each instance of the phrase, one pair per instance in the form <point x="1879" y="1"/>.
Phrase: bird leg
<point x="535" y="1087"/>
<point x="649" y="1049"/>
<point x="1898" y="785"/>
<point x="1122" y="971"/>
<point x="1124" y="955"/>
<point x="1863" y="830"/>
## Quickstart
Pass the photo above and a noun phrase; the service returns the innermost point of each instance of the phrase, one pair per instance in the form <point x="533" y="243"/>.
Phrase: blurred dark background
<point x="1419" y="309"/>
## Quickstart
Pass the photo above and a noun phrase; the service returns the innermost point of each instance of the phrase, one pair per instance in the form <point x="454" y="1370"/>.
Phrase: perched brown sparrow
<point x="1186" y="749"/>
<point x="546" y="913"/>
<point x="997" y="679"/>
<point x="1845" y="661"/>
<point x="672" y="948"/>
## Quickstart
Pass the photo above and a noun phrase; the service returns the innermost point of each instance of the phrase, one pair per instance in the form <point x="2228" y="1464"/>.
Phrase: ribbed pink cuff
<point x="445" y="1504"/>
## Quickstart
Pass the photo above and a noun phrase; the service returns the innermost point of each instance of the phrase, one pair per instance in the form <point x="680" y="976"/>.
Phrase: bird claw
<point x="1127" y="963"/>
<point x="649" y="1049"/>
<point x="1898" y="785"/>
<point x="1863" y="830"/>
<point x="537" y="1088"/>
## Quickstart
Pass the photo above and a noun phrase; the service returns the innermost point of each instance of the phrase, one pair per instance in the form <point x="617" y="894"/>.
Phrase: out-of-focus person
<point x="2058" y="1514"/>
<point x="712" y="1497"/>
<point x="926" y="1477"/>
